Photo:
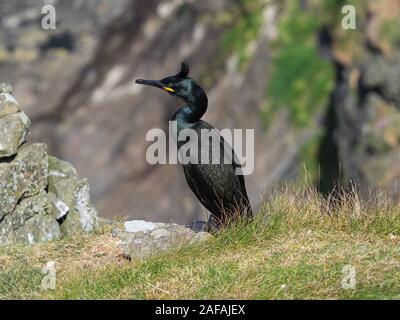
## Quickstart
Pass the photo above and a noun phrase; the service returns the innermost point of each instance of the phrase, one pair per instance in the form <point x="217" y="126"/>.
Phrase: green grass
<point x="294" y="249"/>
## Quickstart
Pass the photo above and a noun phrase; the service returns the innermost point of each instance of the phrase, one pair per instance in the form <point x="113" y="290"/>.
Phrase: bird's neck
<point x="196" y="107"/>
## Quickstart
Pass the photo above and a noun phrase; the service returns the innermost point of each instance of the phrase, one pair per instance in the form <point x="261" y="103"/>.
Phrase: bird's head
<point x="179" y="85"/>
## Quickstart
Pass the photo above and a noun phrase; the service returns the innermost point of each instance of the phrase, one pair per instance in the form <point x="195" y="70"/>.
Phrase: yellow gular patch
<point x="168" y="89"/>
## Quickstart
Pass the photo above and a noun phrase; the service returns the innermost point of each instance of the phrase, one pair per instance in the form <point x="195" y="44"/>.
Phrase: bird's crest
<point x="184" y="70"/>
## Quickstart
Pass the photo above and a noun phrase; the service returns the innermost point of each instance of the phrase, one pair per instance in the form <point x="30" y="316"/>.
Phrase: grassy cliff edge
<point x="298" y="247"/>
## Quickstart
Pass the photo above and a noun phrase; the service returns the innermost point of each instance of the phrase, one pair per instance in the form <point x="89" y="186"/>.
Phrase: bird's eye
<point x="168" y="89"/>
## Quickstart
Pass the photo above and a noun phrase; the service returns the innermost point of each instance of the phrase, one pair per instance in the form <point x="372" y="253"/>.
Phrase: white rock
<point x="62" y="208"/>
<point x="138" y="226"/>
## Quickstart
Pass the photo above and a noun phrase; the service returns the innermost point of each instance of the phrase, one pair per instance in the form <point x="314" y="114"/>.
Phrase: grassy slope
<point x="298" y="253"/>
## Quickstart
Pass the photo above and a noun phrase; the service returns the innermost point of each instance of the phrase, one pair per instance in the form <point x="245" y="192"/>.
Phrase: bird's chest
<point x="195" y="147"/>
<point x="211" y="180"/>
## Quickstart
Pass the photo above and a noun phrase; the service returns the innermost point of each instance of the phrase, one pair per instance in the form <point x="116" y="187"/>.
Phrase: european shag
<point x="218" y="187"/>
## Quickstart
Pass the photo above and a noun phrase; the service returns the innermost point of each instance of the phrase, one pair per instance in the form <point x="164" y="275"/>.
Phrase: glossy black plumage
<point x="217" y="186"/>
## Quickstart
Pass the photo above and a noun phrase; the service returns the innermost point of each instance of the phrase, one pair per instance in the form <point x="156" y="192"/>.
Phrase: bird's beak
<point x="153" y="83"/>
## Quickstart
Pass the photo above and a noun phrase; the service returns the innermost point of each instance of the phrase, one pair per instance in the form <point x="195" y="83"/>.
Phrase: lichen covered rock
<point x="25" y="176"/>
<point x="40" y="228"/>
<point x="57" y="208"/>
<point x="35" y="203"/>
<point x="140" y="239"/>
<point x="5" y="88"/>
<point x="31" y="164"/>
<point x="14" y="130"/>
<point x="73" y="192"/>
<point x="8" y="104"/>
<point x="8" y="197"/>
<point x="6" y="232"/>
<point x="30" y="222"/>
<point x="27" y="208"/>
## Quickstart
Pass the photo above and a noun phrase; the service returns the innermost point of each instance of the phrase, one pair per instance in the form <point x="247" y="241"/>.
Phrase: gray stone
<point x="57" y="208"/>
<point x="27" y="208"/>
<point x="67" y="187"/>
<point x="139" y="225"/>
<point x="29" y="222"/>
<point x="140" y="239"/>
<point x="8" y="104"/>
<point x="374" y="72"/>
<point x="14" y="130"/>
<point x="368" y="136"/>
<point x="8" y="188"/>
<point x="391" y="90"/>
<point x="32" y="165"/>
<point x="30" y="211"/>
<point x="39" y="228"/>
<point x="6" y="232"/>
<point x="25" y="176"/>
<point x="383" y="73"/>
<point x="6" y="88"/>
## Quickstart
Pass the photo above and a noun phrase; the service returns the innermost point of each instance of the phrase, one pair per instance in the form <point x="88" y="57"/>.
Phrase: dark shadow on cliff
<point x="328" y="153"/>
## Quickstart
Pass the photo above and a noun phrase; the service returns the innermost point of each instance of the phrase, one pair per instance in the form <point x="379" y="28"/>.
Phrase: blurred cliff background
<point x="324" y="101"/>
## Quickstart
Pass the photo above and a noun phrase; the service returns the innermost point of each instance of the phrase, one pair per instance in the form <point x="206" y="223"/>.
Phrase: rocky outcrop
<point x="139" y="239"/>
<point x="69" y="196"/>
<point x="368" y="112"/>
<point x="14" y="126"/>
<point x="41" y="198"/>
<point x="366" y="103"/>
<point x="22" y="177"/>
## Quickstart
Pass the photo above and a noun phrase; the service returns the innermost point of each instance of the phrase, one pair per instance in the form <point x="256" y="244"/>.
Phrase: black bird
<point x="217" y="186"/>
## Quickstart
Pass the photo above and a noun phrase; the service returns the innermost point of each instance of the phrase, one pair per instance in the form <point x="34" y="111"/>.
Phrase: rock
<point x="374" y="71"/>
<point x="379" y="72"/>
<point x="38" y="229"/>
<point x="58" y="208"/>
<point x="140" y="239"/>
<point x="29" y="214"/>
<point x="29" y="222"/>
<point x="14" y="130"/>
<point x="368" y="136"/>
<point x="8" y="188"/>
<point x="25" y="176"/>
<point x="27" y="208"/>
<point x="391" y="90"/>
<point x="139" y="225"/>
<point x="87" y="212"/>
<point x="5" y="88"/>
<point x="8" y="104"/>
<point x="6" y="232"/>
<point x="32" y="165"/>
<point x="30" y="210"/>
<point x="73" y="192"/>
